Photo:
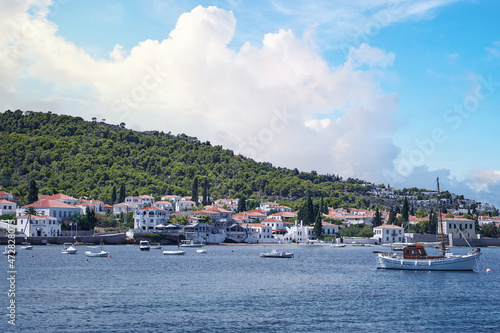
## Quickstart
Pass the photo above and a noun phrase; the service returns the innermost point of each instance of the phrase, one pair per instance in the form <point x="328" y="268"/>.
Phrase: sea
<point x="232" y="289"/>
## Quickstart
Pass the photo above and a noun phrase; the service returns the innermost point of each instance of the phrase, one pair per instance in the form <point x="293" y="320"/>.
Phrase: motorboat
<point x="203" y="251"/>
<point x="277" y="254"/>
<point x="190" y="243"/>
<point x="27" y="247"/>
<point x="144" y="245"/>
<point x="68" y="248"/>
<point x="174" y="253"/>
<point x="102" y="253"/>
<point x="156" y="246"/>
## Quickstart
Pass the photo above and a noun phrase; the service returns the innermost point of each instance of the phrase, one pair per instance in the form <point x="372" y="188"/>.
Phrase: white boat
<point x="275" y="254"/>
<point x="68" y="248"/>
<point x="144" y="245"/>
<point x="201" y="251"/>
<point x="414" y="256"/>
<point x="8" y="251"/>
<point x="156" y="247"/>
<point x="190" y="243"/>
<point x="337" y="245"/>
<point x="174" y="253"/>
<point x="27" y="247"/>
<point x="102" y="253"/>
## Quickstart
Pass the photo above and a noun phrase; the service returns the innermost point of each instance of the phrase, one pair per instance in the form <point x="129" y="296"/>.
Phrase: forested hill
<point x="81" y="158"/>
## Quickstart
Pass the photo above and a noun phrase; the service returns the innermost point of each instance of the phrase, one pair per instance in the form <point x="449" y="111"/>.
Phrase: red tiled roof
<point x="47" y="203"/>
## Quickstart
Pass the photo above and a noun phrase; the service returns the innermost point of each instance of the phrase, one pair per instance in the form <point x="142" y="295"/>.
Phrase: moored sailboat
<point x="415" y="257"/>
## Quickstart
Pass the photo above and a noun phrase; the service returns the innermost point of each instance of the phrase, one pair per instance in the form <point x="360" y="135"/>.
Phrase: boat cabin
<point x="413" y="252"/>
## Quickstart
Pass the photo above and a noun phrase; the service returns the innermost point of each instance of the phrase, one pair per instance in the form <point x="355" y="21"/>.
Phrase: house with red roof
<point x="55" y="208"/>
<point x="7" y="207"/>
<point x="40" y="225"/>
<point x="148" y="218"/>
<point x="389" y="233"/>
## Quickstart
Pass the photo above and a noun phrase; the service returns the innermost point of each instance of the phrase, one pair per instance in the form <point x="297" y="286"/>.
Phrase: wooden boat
<point x="415" y="257"/>
<point x="277" y="254"/>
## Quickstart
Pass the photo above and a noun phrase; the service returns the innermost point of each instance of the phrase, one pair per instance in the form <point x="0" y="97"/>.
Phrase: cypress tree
<point x="318" y="228"/>
<point x="205" y="192"/>
<point x="392" y="216"/>
<point x="32" y="192"/>
<point x="405" y="213"/>
<point x="122" y="195"/>
<point x="113" y="195"/>
<point x="242" y="204"/>
<point x="194" y="190"/>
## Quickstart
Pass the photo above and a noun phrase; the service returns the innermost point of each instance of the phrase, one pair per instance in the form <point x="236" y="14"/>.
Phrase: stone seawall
<point x="95" y="239"/>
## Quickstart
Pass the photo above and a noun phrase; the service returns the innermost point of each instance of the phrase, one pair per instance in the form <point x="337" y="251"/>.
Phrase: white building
<point x="261" y="232"/>
<point x="146" y="200"/>
<point x="183" y="205"/>
<point x="172" y="198"/>
<point x="165" y="205"/>
<point x="126" y="208"/>
<point x="388" y="233"/>
<point x="42" y="225"/>
<point x="459" y="228"/>
<point x="7" y="207"/>
<point x="147" y="218"/>
<point x="6" y="196"/>
<point x="267" y="206"/>
<point x="60" y="210"/>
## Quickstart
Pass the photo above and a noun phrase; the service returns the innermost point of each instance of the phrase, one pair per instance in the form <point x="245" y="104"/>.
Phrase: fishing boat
<point x="68" y="248"/>
<point x="277" y="254"/>
<point x="190" y="243"/>
<point x="144" y="245"/>
<point x="156" y="246"/>
<point x="102" y="253"/>
<point x="415" y="257"/>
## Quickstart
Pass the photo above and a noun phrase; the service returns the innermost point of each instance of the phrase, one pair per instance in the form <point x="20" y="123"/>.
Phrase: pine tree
<point x="32" y="192"/>
<point x="318" y="227"/>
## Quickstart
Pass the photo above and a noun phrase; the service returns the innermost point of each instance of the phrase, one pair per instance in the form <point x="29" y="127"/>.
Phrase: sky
<point x="396" y="92"/>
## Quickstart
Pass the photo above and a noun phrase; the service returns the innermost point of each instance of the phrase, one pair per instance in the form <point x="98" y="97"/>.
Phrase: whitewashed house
<point x="165" y="205"/>
<point x="42" y="225"/>
<point x="126" y="208"/>
<point x="147" y="218"/>
<point x="388" y="233"/>
<point x="60" y="210"/>
<point x="146" y="200"/>
<point x="7" y="207"/>
<point x="172" y="198"/>
<point x="459" y="227"/>
<point x="6" y="196"/>
<point x="261" y="233"/>
<point x="183" y="205"/>
<point x="267" y="206"/>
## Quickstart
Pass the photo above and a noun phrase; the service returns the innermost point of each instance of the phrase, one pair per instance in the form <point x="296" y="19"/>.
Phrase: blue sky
<point x="392" y="92"/>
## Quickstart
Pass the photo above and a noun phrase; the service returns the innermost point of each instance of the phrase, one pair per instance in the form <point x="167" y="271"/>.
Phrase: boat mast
<point x="443" y="247"/>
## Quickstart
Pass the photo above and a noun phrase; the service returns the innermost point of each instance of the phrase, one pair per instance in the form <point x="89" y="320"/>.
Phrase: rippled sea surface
<point x="232" y="289"/>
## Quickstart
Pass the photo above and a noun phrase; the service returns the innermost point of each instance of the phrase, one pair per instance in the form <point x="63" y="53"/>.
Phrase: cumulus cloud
<point x="278" y="101"/>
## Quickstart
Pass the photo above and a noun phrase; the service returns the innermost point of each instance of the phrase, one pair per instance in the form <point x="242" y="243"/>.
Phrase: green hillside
<point x="77" y="157"/>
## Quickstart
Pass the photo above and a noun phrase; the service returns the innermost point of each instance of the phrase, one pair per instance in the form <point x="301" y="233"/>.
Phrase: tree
<point x="33" y="192"/>
<point x="392" y="217"/>
<point x="306" y="212"/>
<point x="242" y="202"/>
<point x="318" y="227"/>
<point x="204" y="200"/>
<point x="406" y="210"/>
<point x="377" y="219"/>
<point x="122" y="195"/>
<point x="30" y="211"/>
<point x="420" y="213"/>
<point x="113" y="195"/>
<point x="194" y="191"/>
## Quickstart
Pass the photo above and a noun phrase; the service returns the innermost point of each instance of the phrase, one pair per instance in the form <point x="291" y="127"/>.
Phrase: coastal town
<point x="219" y="222"/>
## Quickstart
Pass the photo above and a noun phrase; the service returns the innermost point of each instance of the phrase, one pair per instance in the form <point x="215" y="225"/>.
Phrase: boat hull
<point x="174" y="253"/>
<point x="465" y="262"/>
<point x="102" y="254"/>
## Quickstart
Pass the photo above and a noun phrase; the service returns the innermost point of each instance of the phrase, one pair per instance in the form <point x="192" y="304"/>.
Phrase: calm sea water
<point x="231" y="289"/>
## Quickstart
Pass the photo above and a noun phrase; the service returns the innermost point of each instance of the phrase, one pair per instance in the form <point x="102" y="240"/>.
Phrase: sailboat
<point x="102" y="253"/>
<point x="415" y="257"/>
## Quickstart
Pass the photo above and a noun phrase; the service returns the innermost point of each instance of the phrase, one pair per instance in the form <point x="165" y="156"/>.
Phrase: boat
<point x="144" y="245"/>
<point x="201" y="251"/>
<point x="27" y="247"/>
<point x="415" y="257"/>
<point x="275" y="254"/>
<point x="10" y="252"/>
<point x="68" y="248"/>
<point x="102" y="253"/>
<point x="156" y="246"/>
<point x="337" y="244"/>
<point x="174" y="253"/>
<point x="190" y="243"/>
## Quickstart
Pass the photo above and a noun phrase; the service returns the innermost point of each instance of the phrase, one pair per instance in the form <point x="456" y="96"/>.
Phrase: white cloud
<point x="494" y="50"/>
<point x="262" y="101"/>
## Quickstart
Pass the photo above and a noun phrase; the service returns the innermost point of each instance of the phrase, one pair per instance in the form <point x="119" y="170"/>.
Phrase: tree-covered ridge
<point x="80" y="158"/>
